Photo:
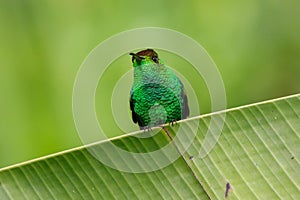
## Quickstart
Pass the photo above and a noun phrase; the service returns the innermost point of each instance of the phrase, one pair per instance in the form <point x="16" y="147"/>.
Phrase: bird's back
<point x="157" y="96"/>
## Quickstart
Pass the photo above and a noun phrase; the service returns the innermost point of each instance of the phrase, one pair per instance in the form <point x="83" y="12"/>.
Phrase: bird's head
<point x="148" y="56"/>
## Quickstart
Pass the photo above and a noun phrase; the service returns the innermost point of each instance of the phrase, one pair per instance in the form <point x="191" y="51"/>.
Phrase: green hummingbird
<point x="157" y="95"/>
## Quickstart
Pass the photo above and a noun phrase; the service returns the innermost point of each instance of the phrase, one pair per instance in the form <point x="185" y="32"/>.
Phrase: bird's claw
<point x="146" y="128"/>
<point x="172" y="122"/>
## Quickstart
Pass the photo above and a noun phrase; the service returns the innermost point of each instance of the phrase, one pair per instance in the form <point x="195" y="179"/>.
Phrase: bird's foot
<point x="172" y="122"/>
<point x="146" y="128"/>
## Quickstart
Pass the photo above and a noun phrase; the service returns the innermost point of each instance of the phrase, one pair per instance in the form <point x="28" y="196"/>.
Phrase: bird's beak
<point x="137" y="57"/>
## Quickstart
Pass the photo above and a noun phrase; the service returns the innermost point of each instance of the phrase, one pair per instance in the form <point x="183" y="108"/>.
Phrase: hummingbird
<point x="157" y="95"/>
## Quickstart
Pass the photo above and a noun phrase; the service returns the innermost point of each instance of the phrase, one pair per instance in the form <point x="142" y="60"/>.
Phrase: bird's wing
<point x="133" y="114"/>
<point x="185" y="110"/>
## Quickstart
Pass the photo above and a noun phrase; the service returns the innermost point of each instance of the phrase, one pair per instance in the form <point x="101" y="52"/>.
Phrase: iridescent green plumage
<point x="157" y="95"/>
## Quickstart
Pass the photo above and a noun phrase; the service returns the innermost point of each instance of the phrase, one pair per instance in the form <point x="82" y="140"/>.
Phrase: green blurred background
<point x="255" y="44"/>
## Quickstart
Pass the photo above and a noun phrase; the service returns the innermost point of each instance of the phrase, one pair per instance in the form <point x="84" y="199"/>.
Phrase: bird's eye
<point x="155" y="59"/>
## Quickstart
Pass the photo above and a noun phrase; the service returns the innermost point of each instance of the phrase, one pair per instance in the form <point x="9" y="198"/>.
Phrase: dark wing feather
<point x="185" y="106"/>
<point x="185" y="110"/>
<point x="134" y="116"/>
